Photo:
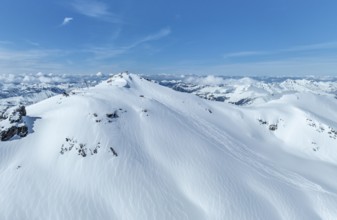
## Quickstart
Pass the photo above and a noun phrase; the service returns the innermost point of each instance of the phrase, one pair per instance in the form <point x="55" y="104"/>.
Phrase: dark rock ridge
<point x="13" y="124"/>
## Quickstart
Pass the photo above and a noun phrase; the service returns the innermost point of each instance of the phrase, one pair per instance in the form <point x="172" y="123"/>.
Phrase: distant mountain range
<point x="249" y="91"/>
<point x="29" y="89"/>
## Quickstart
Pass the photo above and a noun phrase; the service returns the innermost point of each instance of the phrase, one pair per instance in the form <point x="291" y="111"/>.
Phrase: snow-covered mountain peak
<point x="129" y="148"/>
<point x="123" y="79"/>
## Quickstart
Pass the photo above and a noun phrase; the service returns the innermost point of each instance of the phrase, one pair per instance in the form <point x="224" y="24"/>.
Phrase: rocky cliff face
<point x="13" y="123"/>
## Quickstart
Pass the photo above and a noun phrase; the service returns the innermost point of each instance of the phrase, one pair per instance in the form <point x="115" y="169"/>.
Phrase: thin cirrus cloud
<point x="20" y="61"/>
<point x="320" y="46"/>
<point x="47" y="60"/>
<point x="32" y="43"/>
<point x="66" y="21"/>
<point x="108" y="52"/>
<point x="156" y="36"/>
<point x="299" y="66"/>
<point x="299" y="48"/>
<point x="245" y="54"/>
<point x="95" y="9"/>
<point x="3" y="42"/>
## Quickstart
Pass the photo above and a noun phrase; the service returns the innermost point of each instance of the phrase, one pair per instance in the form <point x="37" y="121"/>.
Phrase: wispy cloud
<point x="115" y="34"/>
<point x="23" y="61"/>
<point x="290" y="67"/>
<point x="53" y="60"/>
<point x="299" y="48"/>
<point x="33" y="43"/>
<point x="4" y="42"/>
<point x="66" y="21"/>
<point x="296" y="66"/>
<point x="245" y="54"/>
<point x="156" y="36"/>
<point x="152" y="37"/>
<point x="95" y="9"/>
<point x="109" y="52"/>
<point x="319" y="46"/>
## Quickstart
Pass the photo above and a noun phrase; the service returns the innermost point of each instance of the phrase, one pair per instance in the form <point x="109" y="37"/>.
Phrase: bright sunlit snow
<point x="130" y="148"/>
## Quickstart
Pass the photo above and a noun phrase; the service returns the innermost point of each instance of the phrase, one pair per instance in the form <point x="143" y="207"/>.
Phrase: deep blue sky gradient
<point x="228" y="37"/>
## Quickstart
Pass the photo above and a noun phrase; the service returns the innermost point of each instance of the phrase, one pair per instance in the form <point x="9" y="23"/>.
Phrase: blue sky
<point x="228" y="37"/>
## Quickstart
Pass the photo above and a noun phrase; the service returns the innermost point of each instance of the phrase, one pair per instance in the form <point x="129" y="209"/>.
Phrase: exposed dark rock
<point x="113" y="152"/>
<point x="332" y="133"/>
<point x="82" y="152"/>
<point x="13" y="123"/>
<point x="8" y="133"/>
<point x="21" y="110"/>
<point x="80" y="148"/>
<point x="273" y="127"/>
<point x="16" y="114"/>
<point x="112" y="115"/>
<point x="22" y="131"/>
<point x="221" y="98"/>
<point x="242" y="101"/>
<point x="188" y="88"/>
<point x="262" y="122"/>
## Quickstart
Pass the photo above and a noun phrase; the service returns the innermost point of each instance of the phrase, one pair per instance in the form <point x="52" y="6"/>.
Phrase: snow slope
<point x="129" y="148"/>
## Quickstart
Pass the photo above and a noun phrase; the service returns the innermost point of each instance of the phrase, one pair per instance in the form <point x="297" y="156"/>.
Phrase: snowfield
<point x="130" y="148"/>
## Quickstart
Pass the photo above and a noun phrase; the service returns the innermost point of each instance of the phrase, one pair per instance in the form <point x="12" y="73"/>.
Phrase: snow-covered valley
<point x="130" y="148"/>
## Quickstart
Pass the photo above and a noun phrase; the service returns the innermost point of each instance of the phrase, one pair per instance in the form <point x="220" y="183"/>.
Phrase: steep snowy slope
<point x="132" y="149"/>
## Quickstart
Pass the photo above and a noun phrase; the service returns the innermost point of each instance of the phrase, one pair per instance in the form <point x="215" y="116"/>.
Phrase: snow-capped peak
<point x="132" y="149"/>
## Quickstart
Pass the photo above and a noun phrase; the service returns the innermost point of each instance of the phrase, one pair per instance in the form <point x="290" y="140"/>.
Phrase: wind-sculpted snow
<point x="129" y="148"/>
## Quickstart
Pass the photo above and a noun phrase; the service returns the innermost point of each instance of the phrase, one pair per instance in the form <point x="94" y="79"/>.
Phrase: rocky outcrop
<point x="112" y="115"/>
<point x="13" y="123"/>
<point x="273" y="127"/>
<point x="16" y="114"/>
<point x="22" y="131"/>
<point x="8" y="133"/>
